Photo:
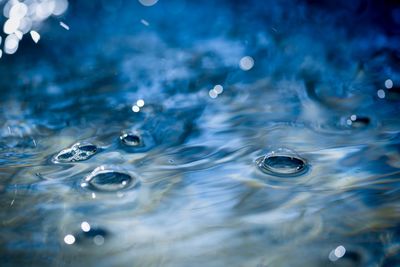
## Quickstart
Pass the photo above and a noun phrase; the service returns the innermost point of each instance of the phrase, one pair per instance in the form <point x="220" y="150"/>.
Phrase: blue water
<point x="203" y="133"/>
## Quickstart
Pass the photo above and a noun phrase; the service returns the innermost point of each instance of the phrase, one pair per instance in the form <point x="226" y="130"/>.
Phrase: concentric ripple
<point x="105" y="179"/>
<point x="136" y="141"/>
<point x="282" y="162"/>
<point x="131" y="139"/>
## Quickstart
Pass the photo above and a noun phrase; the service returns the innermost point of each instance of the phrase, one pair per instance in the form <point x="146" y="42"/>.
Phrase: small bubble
<point x="98" y="240"/>
<point x="69" y="239"/>
<point x="148" y="2"/>
<point x="218" y="89"/>
<point x="337" y="253"/>
<point x="389" y="84"/>
<point x="212" y="93"/>
<point x="105" y="180"/>
<point x="140" y="103"/>
<point x="246" y="63"/>
<point x="85" y="226"/>
<point x="282" y="162"/>
<point x="131" y="139"/>
<point x="135" y="108"/>
<point x="381" y="93"/>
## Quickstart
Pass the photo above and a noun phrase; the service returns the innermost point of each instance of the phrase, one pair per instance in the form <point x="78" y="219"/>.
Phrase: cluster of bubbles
<point x="25" y="16"/>
<point x="103" y="178"/>
<point x="77" y="152"/>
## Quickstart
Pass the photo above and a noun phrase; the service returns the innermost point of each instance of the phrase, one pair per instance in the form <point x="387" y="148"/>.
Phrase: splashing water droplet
<point x="108" y="180"/>
<point x="282" y="163"/>
<point x="78" y="152"/>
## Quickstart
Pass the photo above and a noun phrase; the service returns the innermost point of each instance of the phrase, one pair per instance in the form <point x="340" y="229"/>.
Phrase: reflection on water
<point x="229" y="133"/>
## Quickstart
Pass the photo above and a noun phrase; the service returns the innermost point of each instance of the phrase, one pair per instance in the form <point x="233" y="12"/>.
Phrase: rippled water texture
<point x="203" y="133"/>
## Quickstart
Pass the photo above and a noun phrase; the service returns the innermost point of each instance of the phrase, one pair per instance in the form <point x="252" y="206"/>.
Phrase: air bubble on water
<point x="337" y="253"/>
<point x="135" y="108"/>
<point x="108" y="180"/>
<point x="85" y="226"/>
<point x="389" y="84"/>
<point x="131" y="139"/>
<point x="148" y="2"/>
<point x="140" y="103"/>
<point x="246" y="63"/>
<point x="218" y="89"/>
<point x="98" y="240"/>
<point x="69" y="239"/>
<point x="282" y="162"/>
<point x="78" y="152"/>
<point x="212" y="93"/>
<point x="381" y="93"/>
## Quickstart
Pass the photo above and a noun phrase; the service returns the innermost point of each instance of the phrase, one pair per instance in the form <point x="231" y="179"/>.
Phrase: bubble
<point x="85" y="226"/>
<point x="98" y="240"/>
<point x="140" y="103"/>
<point x="389" y="84"/>
<point x="337" y="253"/>
<point x="246" y="63"/>
<point x="381" y="93"/>
<point x="131" y="139"/>
<point x="134" y="141"/>
<point x="212" y="93"/>
<point x="69" y="239"/>
<point x="135" y="108"/>
<point x="78" y="152"/>
<point x="148" y="2"/>
<point x="218" y="89"/>
<point x="108" y="180"/>
<point x="282" y="163"/>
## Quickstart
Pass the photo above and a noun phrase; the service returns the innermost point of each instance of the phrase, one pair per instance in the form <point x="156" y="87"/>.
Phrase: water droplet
<point x="131" y="139"/>
<point x="108" y="180"/>
<point x="78" y="152"/>
<point x="282" y="163"/>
